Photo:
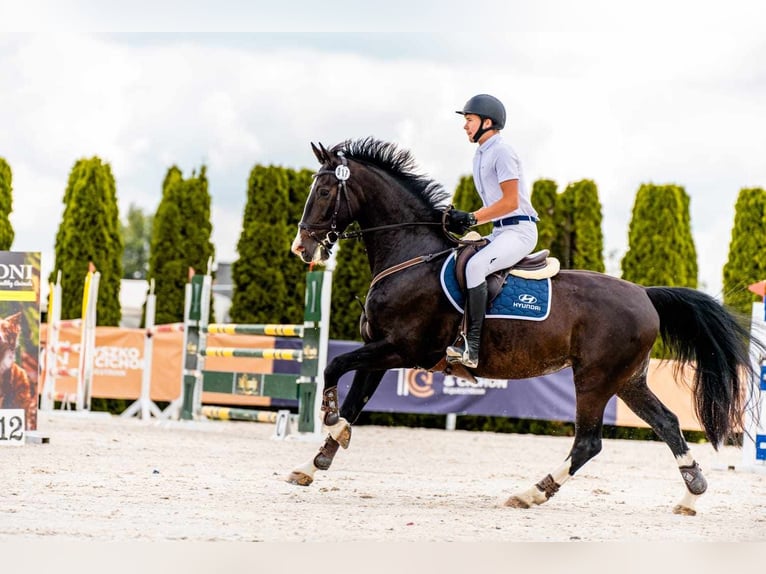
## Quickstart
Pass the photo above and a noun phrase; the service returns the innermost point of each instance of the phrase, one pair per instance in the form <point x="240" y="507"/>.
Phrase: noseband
<point x="341" y="173"/>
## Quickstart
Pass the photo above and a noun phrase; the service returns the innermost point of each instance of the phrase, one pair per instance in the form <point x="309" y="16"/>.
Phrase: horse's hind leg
<point x="646" y="405"/>
<point x="587" y="444"/>
<point x="364" y="385"/>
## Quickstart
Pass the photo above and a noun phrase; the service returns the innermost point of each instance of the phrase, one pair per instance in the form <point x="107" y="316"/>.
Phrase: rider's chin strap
<point x="482" y="130"/>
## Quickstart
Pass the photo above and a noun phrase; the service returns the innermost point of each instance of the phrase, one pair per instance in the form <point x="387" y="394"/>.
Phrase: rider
<point x="499" y="179"/>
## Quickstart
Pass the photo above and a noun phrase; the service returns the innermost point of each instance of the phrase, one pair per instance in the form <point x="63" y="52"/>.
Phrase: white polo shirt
<point x="496" y="161"/>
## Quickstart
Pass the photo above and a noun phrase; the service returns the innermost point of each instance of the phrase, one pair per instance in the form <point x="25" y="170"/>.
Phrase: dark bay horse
<point x="600" y="326"/>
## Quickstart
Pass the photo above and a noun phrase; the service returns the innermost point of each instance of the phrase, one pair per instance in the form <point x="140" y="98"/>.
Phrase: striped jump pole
<point x="56" y="351"/>
<point x="305" y="387"/>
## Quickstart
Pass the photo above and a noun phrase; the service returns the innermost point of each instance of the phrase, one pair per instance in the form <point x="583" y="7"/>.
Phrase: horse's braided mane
<point x="399" y="163"/>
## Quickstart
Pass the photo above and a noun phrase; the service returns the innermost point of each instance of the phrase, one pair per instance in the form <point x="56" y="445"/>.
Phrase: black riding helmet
<point x="485" y="106"/>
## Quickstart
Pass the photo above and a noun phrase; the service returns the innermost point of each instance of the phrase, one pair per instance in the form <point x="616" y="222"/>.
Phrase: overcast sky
<point x="621" y="93"/>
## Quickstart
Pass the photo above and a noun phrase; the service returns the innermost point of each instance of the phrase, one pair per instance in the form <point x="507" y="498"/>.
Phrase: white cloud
<point x="620" y="97"/>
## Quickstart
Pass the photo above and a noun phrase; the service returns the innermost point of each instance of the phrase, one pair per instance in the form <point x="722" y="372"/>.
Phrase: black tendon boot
<point x="475" y="308"/>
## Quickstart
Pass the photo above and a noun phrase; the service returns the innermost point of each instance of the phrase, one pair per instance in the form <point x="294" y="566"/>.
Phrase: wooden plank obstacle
<point x="305" y="387"/>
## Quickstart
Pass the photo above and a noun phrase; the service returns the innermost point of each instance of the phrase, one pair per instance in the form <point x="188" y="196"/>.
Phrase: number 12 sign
<point x="12" y="425"/>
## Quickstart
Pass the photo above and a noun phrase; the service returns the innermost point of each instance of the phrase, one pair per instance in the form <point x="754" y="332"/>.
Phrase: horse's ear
<point x="326" y="152"/>
<point x="319" y="152"/>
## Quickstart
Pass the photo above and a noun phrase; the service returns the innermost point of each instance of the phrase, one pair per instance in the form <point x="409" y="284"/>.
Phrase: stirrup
<point x="462" y="356"/>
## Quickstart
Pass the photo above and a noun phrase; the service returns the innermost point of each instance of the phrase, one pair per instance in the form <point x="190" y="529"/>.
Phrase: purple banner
<point x="549" y="397"/>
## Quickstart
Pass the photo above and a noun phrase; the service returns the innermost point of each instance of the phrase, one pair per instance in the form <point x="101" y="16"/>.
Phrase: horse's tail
<point x="697" y="329"/>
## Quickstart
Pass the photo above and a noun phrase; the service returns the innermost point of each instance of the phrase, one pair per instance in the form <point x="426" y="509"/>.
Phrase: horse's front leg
<point x="362" y="388"/>
<point x="337" y="419"/>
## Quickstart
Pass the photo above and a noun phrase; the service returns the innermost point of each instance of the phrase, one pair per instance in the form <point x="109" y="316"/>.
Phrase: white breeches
<point x="507" y="246"/>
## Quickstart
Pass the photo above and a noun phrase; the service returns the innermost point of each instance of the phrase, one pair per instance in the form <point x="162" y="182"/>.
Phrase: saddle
<point x="536" y="265"/>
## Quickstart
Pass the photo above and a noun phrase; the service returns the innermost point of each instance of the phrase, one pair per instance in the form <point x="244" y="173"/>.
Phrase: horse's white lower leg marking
<point x="686" y="504"/>
<point x="307" y="468"/>
<point x="534" y="495"/>
<point x="685" y="459"/>
<point x="303" y="475"/>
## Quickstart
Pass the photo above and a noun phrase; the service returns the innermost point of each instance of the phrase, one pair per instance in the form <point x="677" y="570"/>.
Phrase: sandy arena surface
<point x="104" y="478"/>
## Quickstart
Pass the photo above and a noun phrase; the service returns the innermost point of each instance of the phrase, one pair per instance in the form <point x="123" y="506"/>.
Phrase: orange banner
<point x="119" y="363"/>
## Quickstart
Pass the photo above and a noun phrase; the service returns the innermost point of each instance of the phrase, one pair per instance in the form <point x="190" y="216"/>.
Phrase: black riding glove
<point x="460" y="221"/>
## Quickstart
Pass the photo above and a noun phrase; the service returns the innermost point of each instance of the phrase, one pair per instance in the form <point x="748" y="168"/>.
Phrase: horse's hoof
<point x="516" y="502"/>
<point x="684" y="510"/>
<point x="344" y="437"/>
<point x="299" y="478"/>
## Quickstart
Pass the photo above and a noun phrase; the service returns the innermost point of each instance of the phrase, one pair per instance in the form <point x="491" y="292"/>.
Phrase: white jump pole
<point x="144" y="407"/>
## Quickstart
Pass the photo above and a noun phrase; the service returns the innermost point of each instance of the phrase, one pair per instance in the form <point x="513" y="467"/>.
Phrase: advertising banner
<point x="20" y="332"/>
<point x="548" y="397"/>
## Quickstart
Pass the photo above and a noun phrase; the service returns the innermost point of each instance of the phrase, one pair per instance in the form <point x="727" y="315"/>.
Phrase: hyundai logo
<point x="528" y="299"/>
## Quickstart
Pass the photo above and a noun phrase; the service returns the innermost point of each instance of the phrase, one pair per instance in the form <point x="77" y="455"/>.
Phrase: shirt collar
<point x="495" y="139"/>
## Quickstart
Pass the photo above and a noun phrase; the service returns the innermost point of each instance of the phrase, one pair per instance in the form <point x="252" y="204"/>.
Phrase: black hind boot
<point x="475" y="309"/>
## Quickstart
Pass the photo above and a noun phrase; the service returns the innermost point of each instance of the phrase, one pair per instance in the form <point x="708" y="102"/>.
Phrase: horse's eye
<point x="324" y="192"/>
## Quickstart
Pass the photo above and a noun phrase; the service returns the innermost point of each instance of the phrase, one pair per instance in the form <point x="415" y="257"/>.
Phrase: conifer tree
<point x="6" y="206"/>
<point x="747" y="250"/>
<point x="136" y="235"/>
<point x="660" y="245"/>
<point x="588" y="247"/>
<point x="298" y="186"/>
<point x="90" y="232"/>
<point x="563" y="216"/>
<point x="260" y="288"/>
<point x="579" y="242"/>
<point x="544" y="201"/>
<point x="198" y="227"/>
<point x="180" y="240"/>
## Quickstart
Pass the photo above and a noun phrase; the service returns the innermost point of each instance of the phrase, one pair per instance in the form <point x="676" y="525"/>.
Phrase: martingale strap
<point x="406" y="264"/>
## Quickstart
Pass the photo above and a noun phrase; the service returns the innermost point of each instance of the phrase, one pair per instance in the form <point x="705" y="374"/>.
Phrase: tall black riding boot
<point x="475" y="309"/>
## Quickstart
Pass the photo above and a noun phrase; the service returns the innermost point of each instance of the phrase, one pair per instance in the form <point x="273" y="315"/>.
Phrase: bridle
<point x="342" y="174"/>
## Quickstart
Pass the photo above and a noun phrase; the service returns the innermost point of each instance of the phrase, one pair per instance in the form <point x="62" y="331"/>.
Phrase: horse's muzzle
<point x="308" y="249"/>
